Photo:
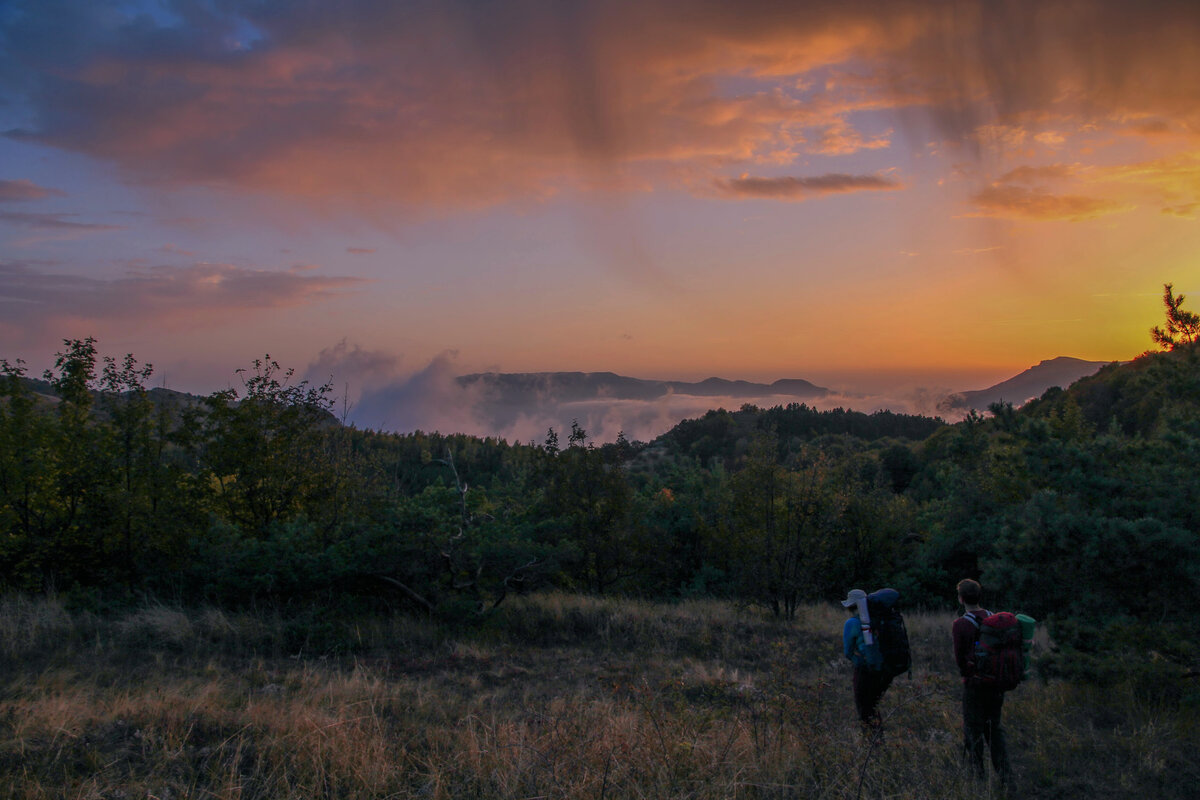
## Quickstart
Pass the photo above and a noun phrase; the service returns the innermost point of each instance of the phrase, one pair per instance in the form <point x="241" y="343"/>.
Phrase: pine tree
<point x="1183" y="327"/>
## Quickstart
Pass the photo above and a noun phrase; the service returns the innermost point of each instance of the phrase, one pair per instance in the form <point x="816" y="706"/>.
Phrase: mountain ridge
<point x="594" y="385"/>
<point x="1028" y="385"/>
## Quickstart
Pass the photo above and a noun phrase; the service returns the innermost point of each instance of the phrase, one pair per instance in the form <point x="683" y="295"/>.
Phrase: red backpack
<point x="999" y="660"/>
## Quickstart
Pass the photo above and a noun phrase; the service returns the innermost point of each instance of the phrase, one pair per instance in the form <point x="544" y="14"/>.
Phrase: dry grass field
<point x="553" y="697"/>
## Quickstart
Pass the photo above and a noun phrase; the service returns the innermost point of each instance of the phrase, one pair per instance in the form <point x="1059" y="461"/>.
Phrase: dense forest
<point x="1081" y="508"/>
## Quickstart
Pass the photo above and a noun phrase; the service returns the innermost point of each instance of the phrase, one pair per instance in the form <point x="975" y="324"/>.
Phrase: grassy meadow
<point x="554" y="696"/>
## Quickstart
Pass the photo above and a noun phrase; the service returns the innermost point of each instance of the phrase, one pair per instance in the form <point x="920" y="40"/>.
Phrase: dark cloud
<point x="359" y="251"/>
<point x="23" y="190"/>
<point x="792" y="188"/>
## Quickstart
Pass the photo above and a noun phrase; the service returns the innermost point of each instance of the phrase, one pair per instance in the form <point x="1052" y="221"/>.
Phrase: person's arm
<point x="851" y="633"/>
<point x="963" y="632"/>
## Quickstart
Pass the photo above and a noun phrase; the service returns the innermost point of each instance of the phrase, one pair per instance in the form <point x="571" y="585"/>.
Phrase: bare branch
<point x="513" y="577"/>
<point x="407" y="592"/>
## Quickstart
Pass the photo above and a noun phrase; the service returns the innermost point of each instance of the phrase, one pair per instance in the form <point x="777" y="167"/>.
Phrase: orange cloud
<point x="1173" y="182"/>
<point x="1186" y="210"/>
<point x="455" y="105"/>
<point x="448" y="107"/>
<point x="1179" y="172"/>
<point x="1040" y="174"/>
<point x="1030" y="192"/>
<point x="1019" y="202"/>
<point x="841" y="139"/>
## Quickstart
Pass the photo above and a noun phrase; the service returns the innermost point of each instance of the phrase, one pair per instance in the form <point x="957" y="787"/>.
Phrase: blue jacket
<point x="853" y="642"/>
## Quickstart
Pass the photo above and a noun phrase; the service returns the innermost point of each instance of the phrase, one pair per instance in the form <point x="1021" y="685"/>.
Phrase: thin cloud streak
<point x="55" y="222"/>
<point x="797" y="188"/>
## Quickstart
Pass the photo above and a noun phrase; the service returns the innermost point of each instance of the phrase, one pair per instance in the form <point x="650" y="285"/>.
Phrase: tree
<point x="135" y="458"/>
<point x="587" y="493"/>
<point x="263" y="452"/>
<point x="789" y="526"/>
<point x="73" y="548"/>
<point x="1183" y="327"/>
<point x="27" y="479"/>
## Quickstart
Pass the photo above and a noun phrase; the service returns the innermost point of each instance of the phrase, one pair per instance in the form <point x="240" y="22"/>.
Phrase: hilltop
<point x="1020" y="389"/>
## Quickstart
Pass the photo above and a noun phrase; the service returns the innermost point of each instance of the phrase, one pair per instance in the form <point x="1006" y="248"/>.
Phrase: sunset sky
<point x="939" y="192"/>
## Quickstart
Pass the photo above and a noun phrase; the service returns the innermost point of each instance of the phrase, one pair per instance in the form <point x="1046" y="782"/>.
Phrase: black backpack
<point x="893" y="654"/>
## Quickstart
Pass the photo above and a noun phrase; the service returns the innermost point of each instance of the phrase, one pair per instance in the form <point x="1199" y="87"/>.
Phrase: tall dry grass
<point x="554" y="697"/>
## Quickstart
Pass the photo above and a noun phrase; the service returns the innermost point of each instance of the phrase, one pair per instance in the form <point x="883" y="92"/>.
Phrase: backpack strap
<point x="969" y="616"/>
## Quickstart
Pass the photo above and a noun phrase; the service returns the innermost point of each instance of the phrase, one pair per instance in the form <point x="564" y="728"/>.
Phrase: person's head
<point x="852" y="600"/>
<point x="969" y="592"/>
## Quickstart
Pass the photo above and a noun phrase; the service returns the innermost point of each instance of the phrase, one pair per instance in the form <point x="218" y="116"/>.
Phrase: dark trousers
<point x="869" y="686"/>
<point x="981" y="726"/>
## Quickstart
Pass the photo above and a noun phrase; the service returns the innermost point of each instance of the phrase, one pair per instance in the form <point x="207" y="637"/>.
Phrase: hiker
<point x="869" y="684"/>
<point x="981" y="703"/>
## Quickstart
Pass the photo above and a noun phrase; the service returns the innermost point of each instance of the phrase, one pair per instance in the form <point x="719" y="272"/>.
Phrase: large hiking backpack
<point x="999" y="651"/>
<point x="890" y="652"/>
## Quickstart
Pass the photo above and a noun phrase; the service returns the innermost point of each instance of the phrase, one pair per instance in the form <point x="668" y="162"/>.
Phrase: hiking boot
<point x="872" y="730"/>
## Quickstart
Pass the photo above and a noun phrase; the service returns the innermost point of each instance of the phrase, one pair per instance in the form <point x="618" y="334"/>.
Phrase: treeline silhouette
<point x="1081" y="508"/>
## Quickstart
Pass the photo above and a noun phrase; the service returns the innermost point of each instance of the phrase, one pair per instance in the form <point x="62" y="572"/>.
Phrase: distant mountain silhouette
<point x="535" y="387"/>
<point x="495" y="401"/>
<point x="501" y="399"/>
<point x="1020" y="389"/>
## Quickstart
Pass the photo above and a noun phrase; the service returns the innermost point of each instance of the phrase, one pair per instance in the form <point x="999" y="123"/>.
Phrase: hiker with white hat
<point x="869" y="684"/>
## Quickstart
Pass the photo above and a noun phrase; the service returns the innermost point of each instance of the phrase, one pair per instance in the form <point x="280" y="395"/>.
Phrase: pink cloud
<point x="23" y="190"/>
<point x="33" y="298"/>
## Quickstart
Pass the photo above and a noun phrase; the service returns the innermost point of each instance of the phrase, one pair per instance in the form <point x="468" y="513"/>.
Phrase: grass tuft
<point x="555" y="696"/>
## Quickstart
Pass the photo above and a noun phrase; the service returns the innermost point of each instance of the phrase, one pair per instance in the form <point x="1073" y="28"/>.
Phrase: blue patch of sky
<point x="162" y="12"/>
<point x="240" y="33"/>
<point x="244" y="35"/>
<point x="731" y="87"/>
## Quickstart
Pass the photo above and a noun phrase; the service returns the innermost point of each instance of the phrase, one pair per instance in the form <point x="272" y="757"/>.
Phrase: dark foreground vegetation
<point x="1081" y="508"/>
<point x="552" y="696"/>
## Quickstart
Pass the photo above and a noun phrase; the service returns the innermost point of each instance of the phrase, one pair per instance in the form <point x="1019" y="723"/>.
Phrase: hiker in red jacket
<point x="981" y="704"/>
